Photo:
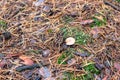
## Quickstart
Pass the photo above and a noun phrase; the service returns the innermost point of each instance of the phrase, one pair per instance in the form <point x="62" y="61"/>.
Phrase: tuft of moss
<point x="118" y="1"/>
<point x="80" y="36"/>
<point x="65" y="54"/>
<point x="67" y="19"/>
<point x="98" y="22"/>
<point x="90" y="71"/>
<point x="3" y="24"/>
<point x="91" y="68"/>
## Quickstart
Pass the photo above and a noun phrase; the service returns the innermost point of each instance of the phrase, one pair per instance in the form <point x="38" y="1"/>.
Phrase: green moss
<point x="91" y="68"/>
<point x="98" y="22"/>
<point x="118" y="0"/>
<point x="87" y="76"/>
<point x="80" y="36"/>
<point x="65" y="54"/>
<point x="3" y="24"/>
<point x="70" y="76"/>
<point x="61" y="58"/>
<point x="67" y="19"/>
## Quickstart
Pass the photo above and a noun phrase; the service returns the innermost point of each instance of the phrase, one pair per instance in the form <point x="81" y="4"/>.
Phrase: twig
<point x="112" y="5"/>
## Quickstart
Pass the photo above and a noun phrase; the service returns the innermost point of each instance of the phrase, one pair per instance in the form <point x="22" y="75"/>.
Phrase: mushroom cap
<point x="70" y="41"/>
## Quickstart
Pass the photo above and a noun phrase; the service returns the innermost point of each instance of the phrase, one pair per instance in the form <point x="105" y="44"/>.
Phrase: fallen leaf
<point x="23" y="57"/>
<point x="27" y="60"/>
<point x="117" y="66"/>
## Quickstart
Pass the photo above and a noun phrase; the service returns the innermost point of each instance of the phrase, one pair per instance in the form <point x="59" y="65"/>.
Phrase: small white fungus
<point x="70" y="41"/>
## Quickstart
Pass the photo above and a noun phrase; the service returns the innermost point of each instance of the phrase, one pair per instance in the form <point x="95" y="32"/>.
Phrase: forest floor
<point x="59" y="39"/>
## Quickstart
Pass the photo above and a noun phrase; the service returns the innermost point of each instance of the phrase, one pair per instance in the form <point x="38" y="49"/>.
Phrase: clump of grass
<point x="65" y="54"/>
<point x="3" y="25"/>
<point x="80" y="36"/>
<point x="98" y="22"/>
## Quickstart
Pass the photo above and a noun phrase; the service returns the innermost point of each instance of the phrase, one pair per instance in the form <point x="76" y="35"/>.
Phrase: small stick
<point x="112" y="5"/>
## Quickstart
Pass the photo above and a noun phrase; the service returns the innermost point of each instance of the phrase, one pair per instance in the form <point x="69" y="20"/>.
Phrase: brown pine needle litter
<point x="38" y="29"/>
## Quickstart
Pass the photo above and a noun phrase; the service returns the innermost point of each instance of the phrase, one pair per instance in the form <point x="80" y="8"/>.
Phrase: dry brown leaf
<point x="28" y="62"/>
<point x="23" y="57"/>
<point x="26" y="59"/>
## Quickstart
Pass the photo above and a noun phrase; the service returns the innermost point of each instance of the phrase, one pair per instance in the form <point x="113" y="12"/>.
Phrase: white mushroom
<point x="70" y="41"/>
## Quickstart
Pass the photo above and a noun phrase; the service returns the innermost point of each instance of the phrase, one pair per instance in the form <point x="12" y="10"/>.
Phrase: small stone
<point x="45" y="53"/>
<point x="37" y="78"/>
<point x="7" y="35"/>
<point x="1" y="55"/>
<point x="97" y="77"/>
<point x="85" y="54"/>
<point x="107" y="64"/>
<point x="63" y="47"/>
<point x="36" y="18"/>
<point x="45" y="72"/>
<point x="79" y="66"/>
<point x="46" y="8"/>
<point x="74" y="14"/>
<point x="27" y="74"/>
<point x="71" y="61"/>
<point x="99" y="66"/>
<point x="38" y="3"/>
